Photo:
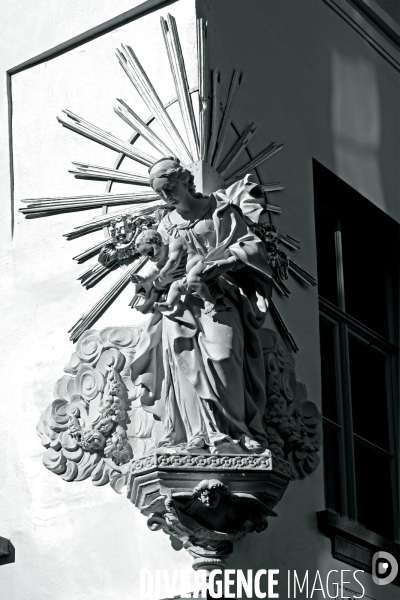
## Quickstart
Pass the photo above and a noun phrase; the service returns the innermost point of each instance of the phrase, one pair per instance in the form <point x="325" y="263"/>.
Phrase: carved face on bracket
<point x="209" y="492"/>
<point x="210" y="498"/>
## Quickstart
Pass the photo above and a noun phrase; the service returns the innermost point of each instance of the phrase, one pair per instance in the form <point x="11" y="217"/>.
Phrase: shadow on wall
<point x="356" y="124"/>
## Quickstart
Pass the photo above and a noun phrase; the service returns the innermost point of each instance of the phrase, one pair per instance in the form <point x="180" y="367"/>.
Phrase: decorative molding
<point x="205" y="511"/>
<point x="124" y="18"/>
<point x="234" y="462"/>
<point x="379" y="17"/>
<point x="368" y="31"/>
<point x="352" y="543"/>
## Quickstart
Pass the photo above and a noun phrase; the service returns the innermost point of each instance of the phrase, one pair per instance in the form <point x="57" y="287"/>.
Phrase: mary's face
<point x="172" y="191"/>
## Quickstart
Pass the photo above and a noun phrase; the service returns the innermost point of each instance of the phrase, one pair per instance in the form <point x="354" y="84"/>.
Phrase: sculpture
<point x="202" y="389"/>
<point x="84" y="415"/>
<point x="214" y="507"/>
<point x="213" y="393"/>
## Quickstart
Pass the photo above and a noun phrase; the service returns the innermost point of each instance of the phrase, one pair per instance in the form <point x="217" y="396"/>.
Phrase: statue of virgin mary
<point x="202" y="373"/>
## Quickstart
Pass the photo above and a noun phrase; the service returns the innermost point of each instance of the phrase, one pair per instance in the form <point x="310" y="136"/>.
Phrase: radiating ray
<point x="40" y="207"/>
<point x="91" y="316"/>
<point x="228" y="114"/>
<point x="281" y="326"/>
<point x="96" y="273"/>
<point x="104" y="138"/>
<point x="274" y="208"/>
<point x="216" y="113"/>
<point x="272" y="187"/>
<point x="202" y="75"/>
<point x="237" y="149"/>
<point x="178" y="70"/>
<point x="303" y="274"/>
<point x="98" y="173"/>
<point x="280" y="286"/>
<point x="90" y="252"/>
<point x="134" y="70"/>
<point x="101" y="221"/>
<point x="260" y="158"/>
<point x="134" y="121"/>
<point x="288" y="240"/>
<point x="205" y="142"/>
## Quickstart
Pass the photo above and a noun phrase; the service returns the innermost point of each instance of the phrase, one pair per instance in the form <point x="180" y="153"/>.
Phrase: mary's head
<point x="173" y="182"/>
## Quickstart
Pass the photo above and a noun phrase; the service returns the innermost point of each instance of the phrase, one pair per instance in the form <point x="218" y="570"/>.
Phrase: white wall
<point x="310" y="81"/>
<point x="72" y="541"/>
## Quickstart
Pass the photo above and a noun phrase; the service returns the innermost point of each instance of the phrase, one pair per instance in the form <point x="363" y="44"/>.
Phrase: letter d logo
<point x="384" y="568"/>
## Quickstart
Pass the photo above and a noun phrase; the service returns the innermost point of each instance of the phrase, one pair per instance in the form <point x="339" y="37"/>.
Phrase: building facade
<point x="320" y="76"/>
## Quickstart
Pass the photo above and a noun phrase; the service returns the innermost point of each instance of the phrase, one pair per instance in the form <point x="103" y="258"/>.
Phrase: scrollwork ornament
<point x="292" y="422"/>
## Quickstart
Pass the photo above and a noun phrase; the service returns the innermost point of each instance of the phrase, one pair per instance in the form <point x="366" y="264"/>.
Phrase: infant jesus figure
<point x="192" y="283"/>
<point x="167" y="261"/>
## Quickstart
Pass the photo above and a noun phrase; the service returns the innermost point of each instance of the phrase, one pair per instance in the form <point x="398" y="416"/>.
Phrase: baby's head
<point x="149" y="243"/>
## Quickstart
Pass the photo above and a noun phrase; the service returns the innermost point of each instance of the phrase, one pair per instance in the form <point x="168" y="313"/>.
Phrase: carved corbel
<point x="207" y="503"/>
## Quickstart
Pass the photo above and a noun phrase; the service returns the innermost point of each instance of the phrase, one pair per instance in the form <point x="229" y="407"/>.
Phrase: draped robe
<point x="203" y="374"/>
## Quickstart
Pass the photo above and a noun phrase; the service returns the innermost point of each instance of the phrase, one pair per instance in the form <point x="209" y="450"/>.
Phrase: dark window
<point x="358" y="272"/>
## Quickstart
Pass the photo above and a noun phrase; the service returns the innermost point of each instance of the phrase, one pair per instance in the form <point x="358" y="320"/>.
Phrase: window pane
<point x="333" y="491"/>
<point x="368" y="393"/>
<point x="365" y="277"/>
<point x="374" y="489"/>
<point x="325" y="226"/>
<point x="328" y="370"/>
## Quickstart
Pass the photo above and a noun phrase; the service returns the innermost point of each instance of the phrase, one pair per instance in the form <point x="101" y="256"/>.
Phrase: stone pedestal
<point x="205" y="503"/>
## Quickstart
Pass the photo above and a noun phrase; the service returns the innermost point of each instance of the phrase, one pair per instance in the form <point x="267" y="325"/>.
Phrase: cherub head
<point x="209" y="492"/>
<point x="122" y="230"/>
<point x="149" y="243"/>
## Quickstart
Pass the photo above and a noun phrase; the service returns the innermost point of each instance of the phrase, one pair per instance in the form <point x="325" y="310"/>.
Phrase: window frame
<point x="345" y="326"/>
